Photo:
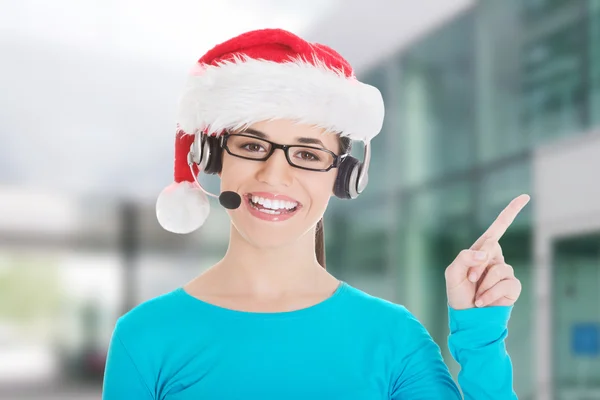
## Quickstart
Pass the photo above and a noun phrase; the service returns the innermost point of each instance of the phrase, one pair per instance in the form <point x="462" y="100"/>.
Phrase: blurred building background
<point x="485" y="100"/>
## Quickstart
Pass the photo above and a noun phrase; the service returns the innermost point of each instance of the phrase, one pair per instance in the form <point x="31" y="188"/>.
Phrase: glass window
<point x="532" y="84"/>
<point x="553" y="79"/>
<point x="576" y="315"/>
<point x="498" y="187"/>
<point x="382" y="146"/>
<point x="537" y="9"/>
<point x="497" y="76"/>
<point x="368" y="236"/>
<point x="434" y="225"/>
<point x="495" y="190"/>
<point x="594" y="50"/>
<point x="436" y="97"/>
<point x="519" y="343"/>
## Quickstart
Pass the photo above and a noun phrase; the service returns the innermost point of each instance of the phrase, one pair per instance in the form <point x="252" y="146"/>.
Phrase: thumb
<point x="494" y="255"/>
<point x="456" y="273"/>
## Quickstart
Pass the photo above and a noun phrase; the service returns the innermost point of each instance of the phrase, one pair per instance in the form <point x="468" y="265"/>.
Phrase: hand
<point x="479" y="277"/>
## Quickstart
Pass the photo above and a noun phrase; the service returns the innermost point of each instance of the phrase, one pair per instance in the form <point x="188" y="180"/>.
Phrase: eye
<point x="305" y="155"/>
<point x="252" y="147"/>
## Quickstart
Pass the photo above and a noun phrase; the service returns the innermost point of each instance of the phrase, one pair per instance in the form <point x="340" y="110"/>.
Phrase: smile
<point x="271" y="207"/>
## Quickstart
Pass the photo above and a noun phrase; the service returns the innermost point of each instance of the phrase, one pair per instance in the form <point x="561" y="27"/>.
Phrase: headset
<point x="352" y="177"/>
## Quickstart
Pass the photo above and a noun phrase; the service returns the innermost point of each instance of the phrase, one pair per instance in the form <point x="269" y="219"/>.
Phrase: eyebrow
<point x="306" y="140"/>
<point x="303" y="140"/>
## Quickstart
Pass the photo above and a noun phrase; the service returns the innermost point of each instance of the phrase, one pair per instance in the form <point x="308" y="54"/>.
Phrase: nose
<point x="275" y="171"/>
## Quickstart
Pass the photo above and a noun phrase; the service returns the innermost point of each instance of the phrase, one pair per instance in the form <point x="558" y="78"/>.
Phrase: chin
<point x="269" y="234"/>
<point x="270" y="241"/>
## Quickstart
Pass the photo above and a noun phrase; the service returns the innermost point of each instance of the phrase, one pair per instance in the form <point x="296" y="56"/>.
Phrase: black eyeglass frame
<point x="337" y="159"/>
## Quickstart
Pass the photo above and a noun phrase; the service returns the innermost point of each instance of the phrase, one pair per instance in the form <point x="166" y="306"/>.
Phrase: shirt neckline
<point x="265" y="315"/>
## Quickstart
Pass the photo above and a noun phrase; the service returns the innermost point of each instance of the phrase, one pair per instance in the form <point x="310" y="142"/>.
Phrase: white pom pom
<point x="182" y="207"/>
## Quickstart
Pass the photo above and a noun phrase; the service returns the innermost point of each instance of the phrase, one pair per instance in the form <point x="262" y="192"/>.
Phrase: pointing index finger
<point x="503" y="221"/>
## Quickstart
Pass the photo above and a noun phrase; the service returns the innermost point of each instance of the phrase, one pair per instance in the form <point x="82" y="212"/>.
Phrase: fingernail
<point x="480" y="255"/>
<point x="479" y="303"/>
<point x="473" y="277"/>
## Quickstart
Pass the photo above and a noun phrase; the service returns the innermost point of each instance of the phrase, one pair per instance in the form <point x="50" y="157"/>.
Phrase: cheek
<point x="234" y="171"/>
<point x="320" y="187"/>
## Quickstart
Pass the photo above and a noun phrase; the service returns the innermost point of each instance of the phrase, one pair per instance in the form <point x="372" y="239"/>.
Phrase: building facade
<point x="499" y="100"/>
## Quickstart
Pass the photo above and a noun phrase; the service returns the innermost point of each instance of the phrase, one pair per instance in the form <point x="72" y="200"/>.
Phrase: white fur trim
<point x="182" y="207"/>
<point x="236" y="94"/>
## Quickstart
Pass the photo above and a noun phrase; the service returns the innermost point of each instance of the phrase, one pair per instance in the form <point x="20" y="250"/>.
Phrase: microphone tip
<point x="230" y="200"/>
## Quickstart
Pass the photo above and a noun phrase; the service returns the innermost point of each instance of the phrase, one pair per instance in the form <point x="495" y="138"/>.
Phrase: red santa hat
<point x="263" y="75"/>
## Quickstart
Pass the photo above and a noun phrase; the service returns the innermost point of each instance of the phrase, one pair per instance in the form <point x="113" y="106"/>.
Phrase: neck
<point x="272" y="271"/>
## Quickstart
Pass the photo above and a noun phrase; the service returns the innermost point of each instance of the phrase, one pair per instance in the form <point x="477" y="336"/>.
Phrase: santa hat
<point x="263" y="75"/>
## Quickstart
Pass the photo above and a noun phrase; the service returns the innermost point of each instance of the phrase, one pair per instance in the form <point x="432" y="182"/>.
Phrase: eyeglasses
<point x="305" y="157"/>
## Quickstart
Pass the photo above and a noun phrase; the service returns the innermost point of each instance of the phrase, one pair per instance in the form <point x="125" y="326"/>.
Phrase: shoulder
<point x="151" y="318"/>
<point x="368" y="302"/>
<point x="391" y="325"/>
<point x="374" y="308"/>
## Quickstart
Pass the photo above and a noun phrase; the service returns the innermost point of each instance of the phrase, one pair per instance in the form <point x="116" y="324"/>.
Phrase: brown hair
<point x="345" y="147"/>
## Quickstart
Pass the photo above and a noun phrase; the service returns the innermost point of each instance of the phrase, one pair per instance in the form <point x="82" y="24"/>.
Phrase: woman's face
<point x="280" y="203"/>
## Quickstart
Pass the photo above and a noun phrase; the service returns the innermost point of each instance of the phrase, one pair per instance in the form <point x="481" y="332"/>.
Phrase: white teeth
<point x="274" y="204"/>
<point x="269" y="211"/>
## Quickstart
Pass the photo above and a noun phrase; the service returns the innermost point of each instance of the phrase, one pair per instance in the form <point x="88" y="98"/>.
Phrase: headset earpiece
<point x="214" y="151"/>
<point x="352" y="177"/>
<point x="345" y="183"/>
<point x="206" y="152"/>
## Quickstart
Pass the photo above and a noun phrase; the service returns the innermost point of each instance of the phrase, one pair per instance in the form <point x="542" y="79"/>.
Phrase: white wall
<point x="567" y="182"/>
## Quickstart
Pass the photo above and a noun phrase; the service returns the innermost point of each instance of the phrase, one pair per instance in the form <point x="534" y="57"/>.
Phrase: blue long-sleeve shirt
<point x="350" y="346"/>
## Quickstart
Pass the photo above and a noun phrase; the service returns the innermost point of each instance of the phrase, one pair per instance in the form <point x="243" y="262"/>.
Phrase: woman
<point x="274" y="117"/>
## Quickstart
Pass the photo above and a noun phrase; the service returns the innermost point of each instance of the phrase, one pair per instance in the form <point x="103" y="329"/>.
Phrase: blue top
<point x="350" y="346"/>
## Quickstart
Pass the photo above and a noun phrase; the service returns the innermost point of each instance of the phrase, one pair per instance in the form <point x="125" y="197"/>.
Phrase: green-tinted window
<point x="497" y="81"/>
<point x="380" y="149"/>
<point x="576" y="310"/>
<point x="594" y="52"/>
<point x="359" y="234"/>
<point x="434" y="225"/>
<point x="533" y="10"/>
<point x="498" y="187"/>
<point x="437" y="104"/>
<point x="553" y="76"/>
<point x="534" y="58"/>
